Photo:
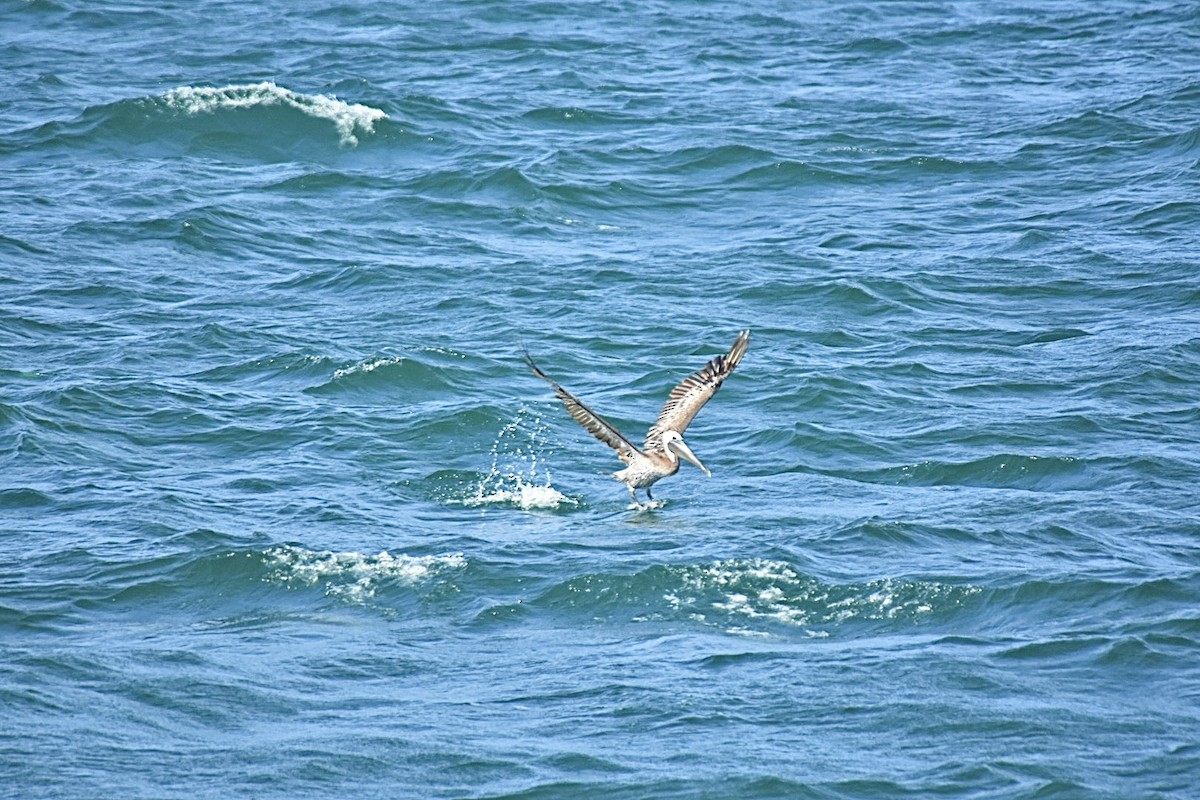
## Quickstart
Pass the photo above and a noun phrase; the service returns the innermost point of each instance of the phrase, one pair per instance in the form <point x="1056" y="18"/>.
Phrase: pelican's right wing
<point x="595" y="424"/>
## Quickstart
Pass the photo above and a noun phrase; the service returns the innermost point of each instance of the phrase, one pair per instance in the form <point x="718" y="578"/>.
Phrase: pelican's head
<point x="674" y="444"/>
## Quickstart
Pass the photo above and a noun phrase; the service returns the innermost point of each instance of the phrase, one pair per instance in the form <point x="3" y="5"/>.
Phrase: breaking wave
<point x="260" y="119"/>
<point x="350" y="119"/>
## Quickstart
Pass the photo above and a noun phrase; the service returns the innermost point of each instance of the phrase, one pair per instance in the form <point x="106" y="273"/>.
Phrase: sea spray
<point x="517" y="460"/>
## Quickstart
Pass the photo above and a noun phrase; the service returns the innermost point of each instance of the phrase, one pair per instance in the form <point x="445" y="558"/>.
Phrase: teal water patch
<point x="241" y="120"/>
<point x="1030" y="473"/>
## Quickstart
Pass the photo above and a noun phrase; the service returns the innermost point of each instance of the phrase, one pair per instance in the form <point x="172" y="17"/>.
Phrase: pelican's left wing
<point x="595" y="424"/>
<point x="686" y="399"/>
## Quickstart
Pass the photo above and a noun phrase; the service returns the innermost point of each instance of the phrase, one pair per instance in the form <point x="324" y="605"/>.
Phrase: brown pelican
<point x="664" y="446"/>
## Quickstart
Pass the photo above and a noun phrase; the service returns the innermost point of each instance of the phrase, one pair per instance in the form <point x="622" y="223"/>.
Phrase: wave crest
<point x="350" y="119"/>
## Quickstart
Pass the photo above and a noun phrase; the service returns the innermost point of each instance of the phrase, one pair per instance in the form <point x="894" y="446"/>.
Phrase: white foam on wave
<point x="372" y="364"/>
<point x="740" y="591"/>
<point x="516" y="463"/>
<point x="353" y="576"/>
<point x="366" y="366"/>
<point x="349" y="118"/>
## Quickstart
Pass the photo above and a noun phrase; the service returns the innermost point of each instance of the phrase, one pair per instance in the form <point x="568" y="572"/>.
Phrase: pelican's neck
<point x="671" y="455"/>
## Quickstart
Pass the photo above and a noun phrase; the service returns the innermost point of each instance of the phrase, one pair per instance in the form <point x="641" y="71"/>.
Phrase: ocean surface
<point x="283" y="514"/>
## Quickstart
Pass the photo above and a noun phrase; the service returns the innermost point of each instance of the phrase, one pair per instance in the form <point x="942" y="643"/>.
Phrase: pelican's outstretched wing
<point x="694" y="391"/>
<point x="595" y="424"/>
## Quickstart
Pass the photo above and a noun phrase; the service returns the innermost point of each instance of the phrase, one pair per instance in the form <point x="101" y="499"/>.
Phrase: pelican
<point x="664" y="446"/>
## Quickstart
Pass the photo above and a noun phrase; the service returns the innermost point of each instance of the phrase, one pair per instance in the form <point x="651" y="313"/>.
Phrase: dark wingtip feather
<point x="528" y="359"/>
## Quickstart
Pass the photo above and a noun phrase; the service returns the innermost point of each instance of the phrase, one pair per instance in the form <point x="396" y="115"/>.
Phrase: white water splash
<point x="516" y="461"/>
<point x="348" y="118"/>
<point x="352" y="576"/>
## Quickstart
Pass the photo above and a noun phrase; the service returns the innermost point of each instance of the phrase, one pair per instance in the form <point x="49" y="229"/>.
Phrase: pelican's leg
<point x="648" y="495"/>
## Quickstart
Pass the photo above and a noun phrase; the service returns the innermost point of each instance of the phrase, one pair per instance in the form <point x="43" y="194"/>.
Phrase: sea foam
<point x="353" y="576"/>
<point x="350" y="119"/>
<point x="369" y="365"/>
<point x="741" y="591"/>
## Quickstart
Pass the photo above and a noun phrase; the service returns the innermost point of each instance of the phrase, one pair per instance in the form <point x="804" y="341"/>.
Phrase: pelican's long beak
<point x="682" y="450"/>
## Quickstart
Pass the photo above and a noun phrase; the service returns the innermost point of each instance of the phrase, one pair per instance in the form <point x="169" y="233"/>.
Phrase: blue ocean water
<point x="283" y="514"/>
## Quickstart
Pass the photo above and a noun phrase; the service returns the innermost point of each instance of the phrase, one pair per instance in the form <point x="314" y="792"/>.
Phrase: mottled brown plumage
<point x="686" y="399"/>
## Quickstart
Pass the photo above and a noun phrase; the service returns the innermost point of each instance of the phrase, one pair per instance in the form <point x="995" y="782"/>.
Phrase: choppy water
<point x="282" y="514"/>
